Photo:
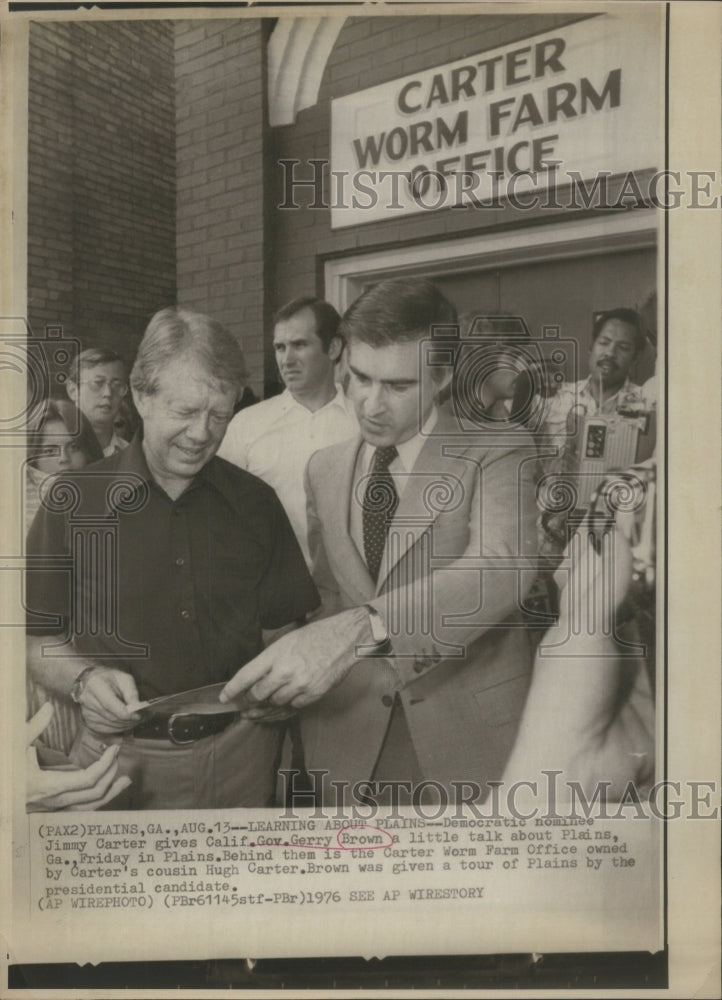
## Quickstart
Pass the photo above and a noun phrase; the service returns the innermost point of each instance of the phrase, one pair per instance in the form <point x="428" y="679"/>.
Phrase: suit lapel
<point x="342" y="487"/>
<point x="430" y="485"/>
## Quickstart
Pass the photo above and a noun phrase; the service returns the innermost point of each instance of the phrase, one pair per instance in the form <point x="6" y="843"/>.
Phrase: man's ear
<point x="335" y="348"/>
<point x="72" y="390"/>
<point x="140" y="399"/>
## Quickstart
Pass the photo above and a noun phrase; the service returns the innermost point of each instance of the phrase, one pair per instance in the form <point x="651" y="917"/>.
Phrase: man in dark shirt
<point x="159" y="569"/>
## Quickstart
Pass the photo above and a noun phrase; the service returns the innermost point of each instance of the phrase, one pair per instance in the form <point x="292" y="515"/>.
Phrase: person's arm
<point x="106" y="695"/>
<point x="321" y="571"/>
<point x="303" y="665"/>
<point x="578" y="718"/>
<point x="85" y="789"/>
<point x="103" y="693"/>
<point x="300" y="668"/>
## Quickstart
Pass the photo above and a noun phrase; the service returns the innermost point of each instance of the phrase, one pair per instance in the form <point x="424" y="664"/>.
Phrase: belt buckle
<point x="174" y="739"/>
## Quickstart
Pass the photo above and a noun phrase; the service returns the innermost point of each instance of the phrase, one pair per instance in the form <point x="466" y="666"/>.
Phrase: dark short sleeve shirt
<point x="174" y="591"/>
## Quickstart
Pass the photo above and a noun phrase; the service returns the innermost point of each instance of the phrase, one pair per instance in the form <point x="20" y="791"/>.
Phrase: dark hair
<point x="93" y="356"/>
<point x="174" y="331"/>
<point x="327" y="319"/>
<point x="397" y="310"/>
<point x="648" y="315"/>
<point x="628" y="316"/>
<point x="75" y="422"/>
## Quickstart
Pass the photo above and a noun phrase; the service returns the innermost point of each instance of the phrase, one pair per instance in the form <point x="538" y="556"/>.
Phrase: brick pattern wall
<point x="154" y="179"/>
<point x="220" y="78"/>
<point x="101" y="184"/>
<point x="370" y="51"/>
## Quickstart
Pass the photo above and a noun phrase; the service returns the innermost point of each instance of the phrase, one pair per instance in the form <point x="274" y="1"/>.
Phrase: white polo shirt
<point x="275" y="439"/>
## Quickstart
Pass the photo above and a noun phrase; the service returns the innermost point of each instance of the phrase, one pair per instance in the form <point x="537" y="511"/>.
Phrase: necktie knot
<point x="383" y="457"/>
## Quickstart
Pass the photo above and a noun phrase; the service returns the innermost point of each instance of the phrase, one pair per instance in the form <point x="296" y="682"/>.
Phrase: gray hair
<point x="174" y="331"/>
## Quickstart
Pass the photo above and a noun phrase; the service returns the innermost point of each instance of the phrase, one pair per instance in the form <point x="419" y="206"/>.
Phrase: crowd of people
<point x="337" y="583"/>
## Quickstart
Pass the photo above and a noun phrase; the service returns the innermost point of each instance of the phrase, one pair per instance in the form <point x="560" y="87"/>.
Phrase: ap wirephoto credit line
<point x="344" y="373"/>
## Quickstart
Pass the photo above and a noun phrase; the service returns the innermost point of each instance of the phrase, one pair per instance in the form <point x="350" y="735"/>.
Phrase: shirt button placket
<point x="179" y="543"/>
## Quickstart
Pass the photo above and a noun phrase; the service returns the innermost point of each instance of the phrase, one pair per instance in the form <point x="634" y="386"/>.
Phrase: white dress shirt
<point x="402" y="465"/>
<point x="275" y="439"/>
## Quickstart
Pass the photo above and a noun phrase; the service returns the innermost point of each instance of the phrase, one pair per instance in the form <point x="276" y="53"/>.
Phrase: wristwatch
<point x="379" y="632"/>
<point x="79" y="683"/>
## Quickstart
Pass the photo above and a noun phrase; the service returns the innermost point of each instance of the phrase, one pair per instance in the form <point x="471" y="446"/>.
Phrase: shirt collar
<point x="289" y="402"/>
<point x="587" y="387"/>
<point x="115" y="444"/>
<point x="408" y="451"/>
<point x="132" y="459"/>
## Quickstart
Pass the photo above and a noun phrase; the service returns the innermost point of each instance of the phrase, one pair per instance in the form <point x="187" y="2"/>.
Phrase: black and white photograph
<point x="344" y="352"/>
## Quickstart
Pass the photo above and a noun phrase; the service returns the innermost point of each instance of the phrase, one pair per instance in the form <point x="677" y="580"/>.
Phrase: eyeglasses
<point x="116" y="385"/>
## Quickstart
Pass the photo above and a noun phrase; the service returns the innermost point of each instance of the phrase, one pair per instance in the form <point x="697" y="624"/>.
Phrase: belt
<point x="181" y="729"/>
<point x="188" y="716"/>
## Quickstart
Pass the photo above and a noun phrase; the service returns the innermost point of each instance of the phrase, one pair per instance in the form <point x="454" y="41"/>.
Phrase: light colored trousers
<point x="234" y="768"/>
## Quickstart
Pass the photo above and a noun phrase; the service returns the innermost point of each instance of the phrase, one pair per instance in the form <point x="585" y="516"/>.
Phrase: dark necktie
<point x="379" y="506"/>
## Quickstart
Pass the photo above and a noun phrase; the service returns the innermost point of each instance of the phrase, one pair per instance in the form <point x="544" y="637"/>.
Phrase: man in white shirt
<point x="275" y="439"/>
<point x="97" y="388"/>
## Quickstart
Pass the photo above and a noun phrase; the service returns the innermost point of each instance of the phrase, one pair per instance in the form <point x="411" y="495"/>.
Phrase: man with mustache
<point x="618" y="340"/>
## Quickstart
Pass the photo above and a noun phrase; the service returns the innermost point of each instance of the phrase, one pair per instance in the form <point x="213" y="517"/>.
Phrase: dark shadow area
<point x="608" y="970"/>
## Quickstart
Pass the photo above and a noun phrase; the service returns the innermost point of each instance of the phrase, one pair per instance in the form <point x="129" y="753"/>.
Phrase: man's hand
<point x="50" y="790"/>
<point x="302" y="666"/>
<point x="107" y="700"/>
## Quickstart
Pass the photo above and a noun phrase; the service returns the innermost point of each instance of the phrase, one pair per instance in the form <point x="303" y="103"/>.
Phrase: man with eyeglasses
<point x="97" y="388"/>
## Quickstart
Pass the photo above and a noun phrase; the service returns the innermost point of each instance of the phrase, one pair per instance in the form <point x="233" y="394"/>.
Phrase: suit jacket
<point x="457" y="563"/>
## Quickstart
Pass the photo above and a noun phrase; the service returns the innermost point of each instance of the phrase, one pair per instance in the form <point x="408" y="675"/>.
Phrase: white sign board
<point x="547" y="111"/>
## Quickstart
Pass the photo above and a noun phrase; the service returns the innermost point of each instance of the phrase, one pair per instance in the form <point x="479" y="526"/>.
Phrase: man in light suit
<point x="422" y="536"/>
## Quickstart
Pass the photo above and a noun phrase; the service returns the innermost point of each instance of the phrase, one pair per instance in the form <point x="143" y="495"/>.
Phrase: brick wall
<point x="154" y="178"/>
<point x="370" y="51"/>
<point x="220" y="95"/>
<point x="101" y="179"/>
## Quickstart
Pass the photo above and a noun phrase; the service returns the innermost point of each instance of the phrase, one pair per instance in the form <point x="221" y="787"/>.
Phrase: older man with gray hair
<point x="179" y="563"/>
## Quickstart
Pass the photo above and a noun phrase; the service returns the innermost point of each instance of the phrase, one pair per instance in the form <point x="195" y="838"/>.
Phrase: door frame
<point x="345" y="277"/>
